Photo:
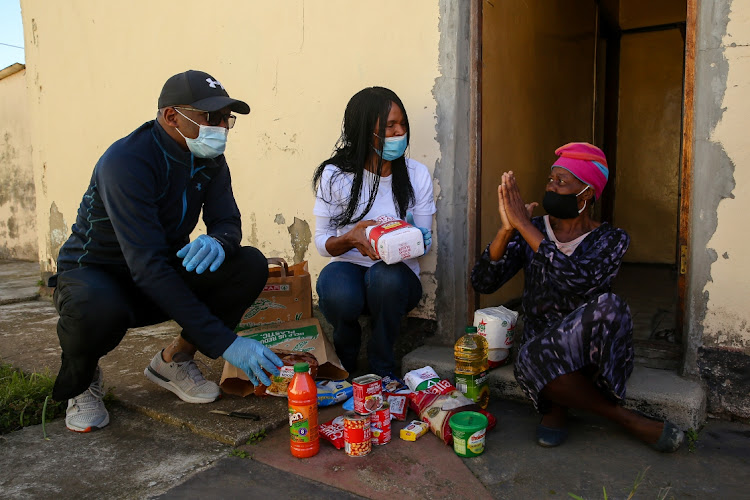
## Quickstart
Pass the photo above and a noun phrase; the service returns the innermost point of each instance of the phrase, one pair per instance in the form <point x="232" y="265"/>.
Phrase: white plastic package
<point x="497" y="325"/>
<point x="395" y="240"/>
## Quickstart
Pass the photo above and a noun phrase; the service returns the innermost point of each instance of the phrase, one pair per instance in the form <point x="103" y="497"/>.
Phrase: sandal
<point x="670" y="440"/>
<point x="549" y="437"/>
<point x="671" y="436"/>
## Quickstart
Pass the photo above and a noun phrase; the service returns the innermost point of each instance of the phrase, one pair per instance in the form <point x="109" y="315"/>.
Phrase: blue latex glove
<point x="426" y="233"/>
<point x="202" y="253"/>
<point x="252" y="357"/>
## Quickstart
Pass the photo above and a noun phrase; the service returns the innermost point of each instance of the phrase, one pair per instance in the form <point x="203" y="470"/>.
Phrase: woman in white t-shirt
<point x="368" y="176"/>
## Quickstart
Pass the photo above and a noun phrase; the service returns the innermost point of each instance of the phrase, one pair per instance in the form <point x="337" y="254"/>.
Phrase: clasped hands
<point x="514" y="213"/>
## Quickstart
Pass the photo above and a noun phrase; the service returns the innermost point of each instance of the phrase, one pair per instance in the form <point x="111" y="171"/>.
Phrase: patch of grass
<point x="22" y="399"/>
<point x="692" y="439"/>
<point x="638" y="480"/>
<point x="239" y="453"/>
<point x="257" y="437"/>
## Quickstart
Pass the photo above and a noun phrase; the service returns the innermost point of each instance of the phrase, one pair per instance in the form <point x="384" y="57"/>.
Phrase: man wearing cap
<point x="129" y="261"/>
<point x="576" y="350"/>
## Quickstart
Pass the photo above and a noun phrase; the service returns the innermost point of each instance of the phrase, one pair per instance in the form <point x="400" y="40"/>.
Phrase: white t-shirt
<point x="332" y="200"/>
<point x="566" y="247"/>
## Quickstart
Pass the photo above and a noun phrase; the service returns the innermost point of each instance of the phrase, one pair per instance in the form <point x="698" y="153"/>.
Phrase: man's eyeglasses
<point x="214" y="118"/>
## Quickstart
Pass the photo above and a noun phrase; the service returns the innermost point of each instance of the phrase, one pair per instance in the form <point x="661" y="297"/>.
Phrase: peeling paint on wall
<point x="58" y="234"/>
<point x="253" y="237"/>
<point x="280" y="220"/>
<point x="18" y="236"/>
<point x="301" y="237"/>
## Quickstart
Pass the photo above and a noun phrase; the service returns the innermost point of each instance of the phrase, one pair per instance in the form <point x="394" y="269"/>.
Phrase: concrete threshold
<point x="660" y="393"/>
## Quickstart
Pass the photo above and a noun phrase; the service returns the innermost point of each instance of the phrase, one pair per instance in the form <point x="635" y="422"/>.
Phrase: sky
<point x="11" y="33"/>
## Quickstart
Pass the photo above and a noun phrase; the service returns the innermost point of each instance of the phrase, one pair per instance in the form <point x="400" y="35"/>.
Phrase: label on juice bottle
<point x="475" y="387"/>
<point x="303" y="423"/>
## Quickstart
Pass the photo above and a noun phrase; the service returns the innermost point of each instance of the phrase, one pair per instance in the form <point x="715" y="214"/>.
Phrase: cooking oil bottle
<point x="472" y="369"/>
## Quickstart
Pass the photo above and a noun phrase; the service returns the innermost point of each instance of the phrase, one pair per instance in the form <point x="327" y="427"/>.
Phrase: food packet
<point x="421" y="378"/>
<point x="399" y="405"/>
<point x="394" y="385"/>
<point x="280" y="382"/>
<point x="414" y="430"/>
<point x="331" y="392"/>
<point x="436" y="406"/>
<point x="333" y="432"/>
<point x="497" y="325"/>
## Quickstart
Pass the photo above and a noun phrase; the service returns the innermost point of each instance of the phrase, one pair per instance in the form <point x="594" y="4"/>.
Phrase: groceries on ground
<point x="497" y="325"/>
<point x="414" y="430"/>
<point x="303" y="413"/>
<point x="331" y="392"/>
<point x="472" y="371"/>
<point x="439" y="403"/>
<point x="421" y="379"/>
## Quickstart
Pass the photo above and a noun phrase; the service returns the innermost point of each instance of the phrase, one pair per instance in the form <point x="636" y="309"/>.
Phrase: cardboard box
<point x="303" y="336"/>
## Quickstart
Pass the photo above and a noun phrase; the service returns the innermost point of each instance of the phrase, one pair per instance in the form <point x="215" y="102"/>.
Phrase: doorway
<point x="609" y="72"/>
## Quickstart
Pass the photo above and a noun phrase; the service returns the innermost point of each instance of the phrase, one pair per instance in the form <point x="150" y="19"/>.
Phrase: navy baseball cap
<point x="199" y="90"/>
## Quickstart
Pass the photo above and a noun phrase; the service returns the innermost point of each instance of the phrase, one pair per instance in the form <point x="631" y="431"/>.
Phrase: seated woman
<point x="576" y="350"/>
<point x="367" y="177"/>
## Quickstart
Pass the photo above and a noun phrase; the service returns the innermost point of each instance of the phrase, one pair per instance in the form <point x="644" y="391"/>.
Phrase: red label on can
<point x="368" y="393"/>
<point x="357" y="435"/>
<point x="381" y="425"/>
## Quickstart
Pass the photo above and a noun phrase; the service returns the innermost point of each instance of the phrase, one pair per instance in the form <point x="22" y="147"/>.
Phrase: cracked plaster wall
<point x="727" y="320"/>
<point x="18" y="239"/>
<point x="97" y="69"/>
<point x="718" y="327"/>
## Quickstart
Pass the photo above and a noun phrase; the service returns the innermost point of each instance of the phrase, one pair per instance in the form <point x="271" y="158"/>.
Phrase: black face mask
<point x="562" y="206"/>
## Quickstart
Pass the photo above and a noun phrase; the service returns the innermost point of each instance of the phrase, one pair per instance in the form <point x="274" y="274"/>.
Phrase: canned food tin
<point x="368" y="393"/>
<point x="380" y="425"/>
<point x="357" y="434"/>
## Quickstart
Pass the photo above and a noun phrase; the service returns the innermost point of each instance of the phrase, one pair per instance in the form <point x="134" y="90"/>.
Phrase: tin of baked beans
<point x="357" y="434"/>
<point x="380" y="425"/>
<point x="368" y="393"/>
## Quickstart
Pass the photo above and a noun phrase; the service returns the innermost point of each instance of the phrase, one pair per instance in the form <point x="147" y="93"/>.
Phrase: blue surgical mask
<point x="393" y="147"/>
<point x="210" y="143"/>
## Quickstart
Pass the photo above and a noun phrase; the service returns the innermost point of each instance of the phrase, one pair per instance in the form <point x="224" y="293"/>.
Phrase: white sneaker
<point x="183" y="378"/>
<point x="86" y="411"/>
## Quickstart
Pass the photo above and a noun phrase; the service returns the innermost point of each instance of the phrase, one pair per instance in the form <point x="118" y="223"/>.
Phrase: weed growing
<point x="239" y="453"/>
<point x="257" y="437"/>
<point x="692" y="439"/>
<point x="22" y="399"/>
<point x="638" y="480"/>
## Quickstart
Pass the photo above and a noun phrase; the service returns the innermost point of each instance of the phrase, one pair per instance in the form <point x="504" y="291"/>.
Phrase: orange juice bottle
<point x="303" y="413"/>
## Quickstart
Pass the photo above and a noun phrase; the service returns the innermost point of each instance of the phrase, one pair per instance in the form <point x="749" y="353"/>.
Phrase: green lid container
<point x="469" y="429"/>
<point x="301" y="367"/>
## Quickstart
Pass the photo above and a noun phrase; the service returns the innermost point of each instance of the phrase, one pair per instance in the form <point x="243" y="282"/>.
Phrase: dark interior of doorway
<point x="650" y="288"/>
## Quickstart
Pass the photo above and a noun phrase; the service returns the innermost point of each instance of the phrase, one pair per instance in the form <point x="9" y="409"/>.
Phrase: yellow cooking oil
<point x="472" y="368"/>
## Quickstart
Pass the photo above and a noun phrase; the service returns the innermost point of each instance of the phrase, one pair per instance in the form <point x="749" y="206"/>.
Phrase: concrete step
<point x="660" y="393"/>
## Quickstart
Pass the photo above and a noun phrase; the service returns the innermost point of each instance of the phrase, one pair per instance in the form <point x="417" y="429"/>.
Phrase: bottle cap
<point x="301" y="367"/>
<point x="471" y="329"/>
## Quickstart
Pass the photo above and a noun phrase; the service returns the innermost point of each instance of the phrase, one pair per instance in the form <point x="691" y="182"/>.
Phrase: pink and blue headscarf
<point x="586" y="162"/>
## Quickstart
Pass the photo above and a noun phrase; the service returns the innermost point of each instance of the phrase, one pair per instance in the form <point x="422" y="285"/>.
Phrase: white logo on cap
<point x="213" y="83"/>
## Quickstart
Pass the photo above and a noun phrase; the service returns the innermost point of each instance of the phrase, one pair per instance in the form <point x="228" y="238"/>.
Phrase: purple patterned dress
<point x="572" y="321"/>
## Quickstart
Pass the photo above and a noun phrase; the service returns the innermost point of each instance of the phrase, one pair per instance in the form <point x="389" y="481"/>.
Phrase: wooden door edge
<point x="475" y="151"/>
<point x="686" y="168"/>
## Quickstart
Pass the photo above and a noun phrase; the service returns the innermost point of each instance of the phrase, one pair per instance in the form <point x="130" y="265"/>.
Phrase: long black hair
<point x="367" y="109"/>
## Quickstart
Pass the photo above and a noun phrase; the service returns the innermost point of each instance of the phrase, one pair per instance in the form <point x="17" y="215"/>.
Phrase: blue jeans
<point x="386" y="292"/>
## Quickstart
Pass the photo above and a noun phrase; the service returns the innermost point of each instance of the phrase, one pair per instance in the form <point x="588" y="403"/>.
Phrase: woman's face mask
<point x="210" y="143"/>
<point x="563" y="206"/>
<point x="393" y="147"/>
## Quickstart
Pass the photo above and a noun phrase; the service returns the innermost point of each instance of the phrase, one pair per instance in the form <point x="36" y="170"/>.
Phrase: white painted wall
<point x="96" y="68"/>
<point x="727" y="320"/>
